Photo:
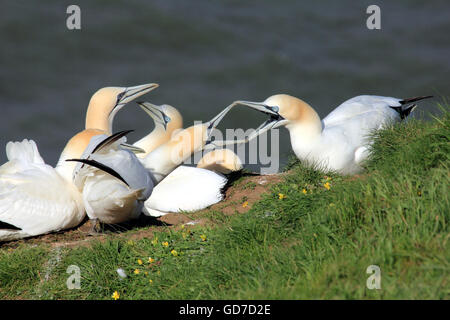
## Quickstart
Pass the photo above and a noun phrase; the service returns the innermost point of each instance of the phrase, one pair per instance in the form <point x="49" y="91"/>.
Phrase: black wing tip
<point x="126" y="131"/>
<point x="8" y="226"/>
<point x="120" y="134"/>
<point x="112" y="138"/>
<point x="101" y="167"/>
<point x="414" y="99"/>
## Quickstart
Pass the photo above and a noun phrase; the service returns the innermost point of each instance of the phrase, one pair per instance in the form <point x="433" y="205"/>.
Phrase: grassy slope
<point x="313" y="245"/>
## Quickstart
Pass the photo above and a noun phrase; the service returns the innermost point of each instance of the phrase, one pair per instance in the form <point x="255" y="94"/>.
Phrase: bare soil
<point x="239" y="198"/>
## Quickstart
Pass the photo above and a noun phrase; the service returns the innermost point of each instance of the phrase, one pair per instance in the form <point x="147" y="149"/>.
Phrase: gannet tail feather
<point x="404" y="112"/>
<point x="405" y="108"/>
<point x="408" y="110"/>
<point x="25" y="151"/>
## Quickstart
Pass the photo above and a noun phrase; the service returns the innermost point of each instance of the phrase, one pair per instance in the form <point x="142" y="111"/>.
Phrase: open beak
<point x="129" y="94"/>
<point x="271" y="123"/>
<point x="275" y="120"/>
<point x="260" y="106"/>
<point x="156" y="112"/>
<point x="132" y="93"/>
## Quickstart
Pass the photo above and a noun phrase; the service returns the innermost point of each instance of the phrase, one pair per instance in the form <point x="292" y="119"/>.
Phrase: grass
<point x="314" y="243"/>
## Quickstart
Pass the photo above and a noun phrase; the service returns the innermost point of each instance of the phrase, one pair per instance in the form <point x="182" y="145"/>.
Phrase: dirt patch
<point x="241" y="197"/>
<point x="243" y="192"/>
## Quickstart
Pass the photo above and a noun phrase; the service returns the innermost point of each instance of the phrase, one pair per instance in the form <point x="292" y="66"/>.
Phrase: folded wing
<point x="185" y="189"/>
<point x="34" y="198"/>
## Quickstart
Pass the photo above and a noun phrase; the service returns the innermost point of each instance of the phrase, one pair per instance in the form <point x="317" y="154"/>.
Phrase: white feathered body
<point x="107" y="198"/>
<point x="35" y="197"/>
<point x="185" y="189"/>
<point x="344" y="140"/>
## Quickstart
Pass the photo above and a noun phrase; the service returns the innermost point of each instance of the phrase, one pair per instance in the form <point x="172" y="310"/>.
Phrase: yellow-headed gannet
<point x="341" y="141"/>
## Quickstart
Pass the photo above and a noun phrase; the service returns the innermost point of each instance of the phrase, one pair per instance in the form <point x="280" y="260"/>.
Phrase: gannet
<point x="112" y="180"/>
<point x="36" y="198"/>
<point x="183" y="188"/>
<point x="107" y="199"/>
<point x="167" y="120"/>
<point x="106" y="102"/>
<point x="183" y="143"/>
<point x="189" y="189"/>
<point x="341" y="142"/>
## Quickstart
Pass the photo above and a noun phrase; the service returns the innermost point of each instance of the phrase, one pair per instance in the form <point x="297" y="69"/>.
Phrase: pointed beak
<point x="271" y="123"/>
<point x="260" y="106"/>
<point x="129" y="94"/>
<point x="132" y="93"/>
<point x="156" y="112"/>
<point x="275" y="120"/>
<point x="134" y="149"/>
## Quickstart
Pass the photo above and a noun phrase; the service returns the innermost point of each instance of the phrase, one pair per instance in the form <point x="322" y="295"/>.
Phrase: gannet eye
<point x="120" y="96"/>
<point x="167" y="119"/>
<point x="275" y="108"/>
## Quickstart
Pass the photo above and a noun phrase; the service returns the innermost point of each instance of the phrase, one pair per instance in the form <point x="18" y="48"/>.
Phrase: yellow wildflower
<point x="281" y="196"/>
<point x="174" y="252"/>
<point x="182" y="226"/>
<point x="165" y="244"/>
<point x="151" y="260"/>
<point x="155" y="241"/>
<point x="203" y="237"/>
<point x="139" y="261"/>
<point x="327" y="186"/>
<point x="136" y="271"/>
<point x="245" y="204"/>
<point x="115" y="295"/>
<point x="304" y="191"/>
<point x="150" y="281"/>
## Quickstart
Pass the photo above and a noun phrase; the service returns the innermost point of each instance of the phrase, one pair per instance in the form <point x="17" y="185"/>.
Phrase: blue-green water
<point x="206" y="54"/>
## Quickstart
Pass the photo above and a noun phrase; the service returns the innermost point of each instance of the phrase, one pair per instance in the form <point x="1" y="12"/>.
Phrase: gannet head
<point x="106" y="102"/>
<point x="291" y="112"/>
<point x="165" y="116"/>
<point x="291" y="109"/>
<point x="167" y="120"/>
<point x="221" y="160"/>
